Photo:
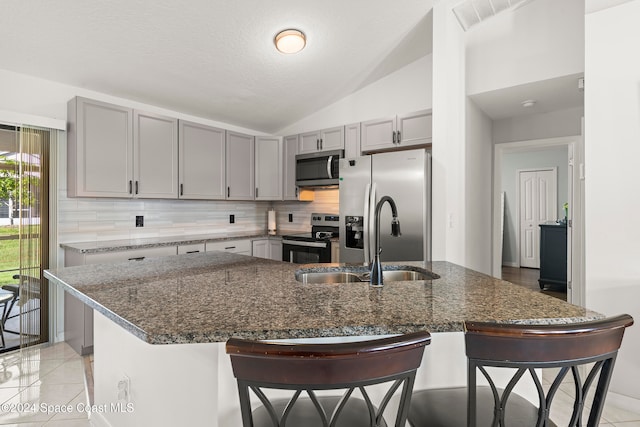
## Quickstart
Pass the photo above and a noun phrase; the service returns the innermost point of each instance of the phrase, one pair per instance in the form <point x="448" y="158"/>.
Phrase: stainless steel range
<point x="313" y="246"/>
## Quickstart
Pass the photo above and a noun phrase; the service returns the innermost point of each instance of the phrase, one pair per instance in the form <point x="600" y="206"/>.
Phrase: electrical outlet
<point x="232" y="219"/>
<point x="290" y="217"/>
<point x="124" y="389"/>
<point x="139" y="221"/>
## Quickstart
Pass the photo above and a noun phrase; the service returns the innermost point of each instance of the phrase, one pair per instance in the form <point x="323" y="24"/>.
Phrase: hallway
<point x="528" y="277"/>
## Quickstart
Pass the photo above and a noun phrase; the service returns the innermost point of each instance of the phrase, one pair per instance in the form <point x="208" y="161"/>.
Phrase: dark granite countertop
<point x="209" y="297"/>
<point x="154" y="242"/>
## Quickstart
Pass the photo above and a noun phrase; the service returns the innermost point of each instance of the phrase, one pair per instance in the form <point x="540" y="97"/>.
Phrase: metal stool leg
<point x="4" y="315"/>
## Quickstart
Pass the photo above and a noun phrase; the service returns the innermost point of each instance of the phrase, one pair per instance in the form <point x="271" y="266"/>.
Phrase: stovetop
<point x="324" y="226"/>
<point x="313" y="236"/>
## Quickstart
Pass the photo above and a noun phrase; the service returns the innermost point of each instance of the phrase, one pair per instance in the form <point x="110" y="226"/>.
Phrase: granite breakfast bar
<point x="162" y="323"/>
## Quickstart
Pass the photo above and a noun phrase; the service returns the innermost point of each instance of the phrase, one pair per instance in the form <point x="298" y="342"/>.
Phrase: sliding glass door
<point x="24" y="200"/>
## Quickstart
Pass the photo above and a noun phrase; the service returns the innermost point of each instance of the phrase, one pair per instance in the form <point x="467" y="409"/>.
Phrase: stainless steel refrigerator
<point x="406" y="177"/>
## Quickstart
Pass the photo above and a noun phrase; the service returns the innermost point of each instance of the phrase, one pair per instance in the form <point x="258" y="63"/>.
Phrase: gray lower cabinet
<point x="268" y="248"/>
<point x="275" y="249"/>
<point x="239" y="246"/>
<point x="78" y="317"/>
<point x="191" y="249"/>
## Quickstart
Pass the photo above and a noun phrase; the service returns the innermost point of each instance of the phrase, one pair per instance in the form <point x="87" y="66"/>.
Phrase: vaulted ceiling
<point x="215" y="58"/>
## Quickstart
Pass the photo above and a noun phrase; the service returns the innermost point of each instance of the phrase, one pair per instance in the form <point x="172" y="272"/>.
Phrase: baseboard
<point x="623" y="402"/>
<point x="96" y="419"/>
<point x="511" y="264"/>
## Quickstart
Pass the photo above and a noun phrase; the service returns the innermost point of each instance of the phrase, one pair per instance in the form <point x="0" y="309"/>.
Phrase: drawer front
<point x="190" y="249"/>
<point x="234" y="246"/>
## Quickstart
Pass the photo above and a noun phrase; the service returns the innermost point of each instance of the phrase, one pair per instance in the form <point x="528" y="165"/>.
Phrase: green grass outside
<point x="10" y="254"/>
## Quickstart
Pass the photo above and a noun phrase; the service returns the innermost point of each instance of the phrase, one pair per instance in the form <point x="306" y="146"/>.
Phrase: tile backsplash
<point x="84" y="219"/>
<point x="97" y="219"/>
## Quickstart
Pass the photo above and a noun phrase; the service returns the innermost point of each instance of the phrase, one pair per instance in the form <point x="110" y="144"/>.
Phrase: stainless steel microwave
<point x="318" y="169"/>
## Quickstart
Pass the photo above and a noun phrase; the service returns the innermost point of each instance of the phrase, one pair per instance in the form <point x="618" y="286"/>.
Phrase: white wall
<point x="30" y="95"/>
<point x="612" y="150"/>
<point x="511" y="163"/>
<point x="539" y="41"/>
<point x="539" y="126"/>
<point x="406" y="90"/>
<point x="479" y="154"/>
<point x="449" y="128"/>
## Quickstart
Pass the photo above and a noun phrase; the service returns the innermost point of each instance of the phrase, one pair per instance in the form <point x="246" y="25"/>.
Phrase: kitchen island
<point x="161" y="324"/>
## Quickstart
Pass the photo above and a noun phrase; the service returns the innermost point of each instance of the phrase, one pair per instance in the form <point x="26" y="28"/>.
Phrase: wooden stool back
<point x="310" y="367"/>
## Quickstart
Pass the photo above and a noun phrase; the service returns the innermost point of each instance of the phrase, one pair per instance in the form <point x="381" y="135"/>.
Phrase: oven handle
<point x="305" y="244"/>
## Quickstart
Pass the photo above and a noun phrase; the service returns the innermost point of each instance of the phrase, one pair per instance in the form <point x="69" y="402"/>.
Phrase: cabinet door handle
<point x="256" y="191"/>
<point x="228" y="191"/>
<point x="296" y="191"/>
<point x="136" y="187"/>
<point x="229" y="247"/>
<point x="181" y="189"/>
<point x="193" y="252"/>
<point x="130" y="187"/>
<point x="394" y="136"/>
<point x="317" y="144"/>
<point x="138" y="258"/>
<point x="321" y="143"/>
<point x="399" y="137"/>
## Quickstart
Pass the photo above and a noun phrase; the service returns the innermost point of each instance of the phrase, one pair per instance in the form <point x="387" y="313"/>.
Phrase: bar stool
<point x="569" y="347"/>
<point x="308" y="368"/>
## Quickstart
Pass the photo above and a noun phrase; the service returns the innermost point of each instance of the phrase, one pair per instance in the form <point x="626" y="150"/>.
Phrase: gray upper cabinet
<point x="322" y="140"/>
<point x="202" y="157"/>
<point x="290" y="147"/>
<point x="397" y="132"/>
<point x="240" y="166"/>
<point x="99" y="149"/>
<point x="352" y="141"/>
<point x="268" y="168"/>
<point x="114" y="151"/>
<point x="155" y="141"/>
<point x="415" y="128"/>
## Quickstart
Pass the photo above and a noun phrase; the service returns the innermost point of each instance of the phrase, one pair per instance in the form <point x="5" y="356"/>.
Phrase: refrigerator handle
<point x="365" y="223"/>
<point x="371" y="230"/>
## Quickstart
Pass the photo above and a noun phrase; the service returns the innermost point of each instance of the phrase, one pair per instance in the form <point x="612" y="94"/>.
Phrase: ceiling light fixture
<point x="290" y="41"/>
<point x="529" y="103"/>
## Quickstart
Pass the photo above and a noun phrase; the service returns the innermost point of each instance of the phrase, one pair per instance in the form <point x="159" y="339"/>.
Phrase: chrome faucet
<point x="376" y="267"/>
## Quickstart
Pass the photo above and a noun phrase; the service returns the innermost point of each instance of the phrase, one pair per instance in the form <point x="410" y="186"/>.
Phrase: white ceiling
<point x="560" y="93"/>
<point x="215" y="58"/>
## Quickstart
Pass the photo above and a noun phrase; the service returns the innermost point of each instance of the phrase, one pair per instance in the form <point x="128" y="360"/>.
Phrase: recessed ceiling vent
<point x="472" y="12"/>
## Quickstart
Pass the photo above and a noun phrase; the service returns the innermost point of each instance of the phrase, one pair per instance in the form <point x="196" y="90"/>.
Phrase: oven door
<point x="300" y="252"/>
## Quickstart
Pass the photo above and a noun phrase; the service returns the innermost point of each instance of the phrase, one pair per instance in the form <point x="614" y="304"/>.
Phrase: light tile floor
<point x="54" y="374"/>
<point x="562" y="406"/>
<point x="38" y="384"/>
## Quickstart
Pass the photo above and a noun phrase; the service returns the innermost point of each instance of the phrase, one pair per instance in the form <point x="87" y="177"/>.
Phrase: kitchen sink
<point x="328" y="277"/>
<point x="359" y="274"/>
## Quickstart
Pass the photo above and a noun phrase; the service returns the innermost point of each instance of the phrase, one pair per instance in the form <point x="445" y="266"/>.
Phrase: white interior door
<point x="538" y="204"/>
